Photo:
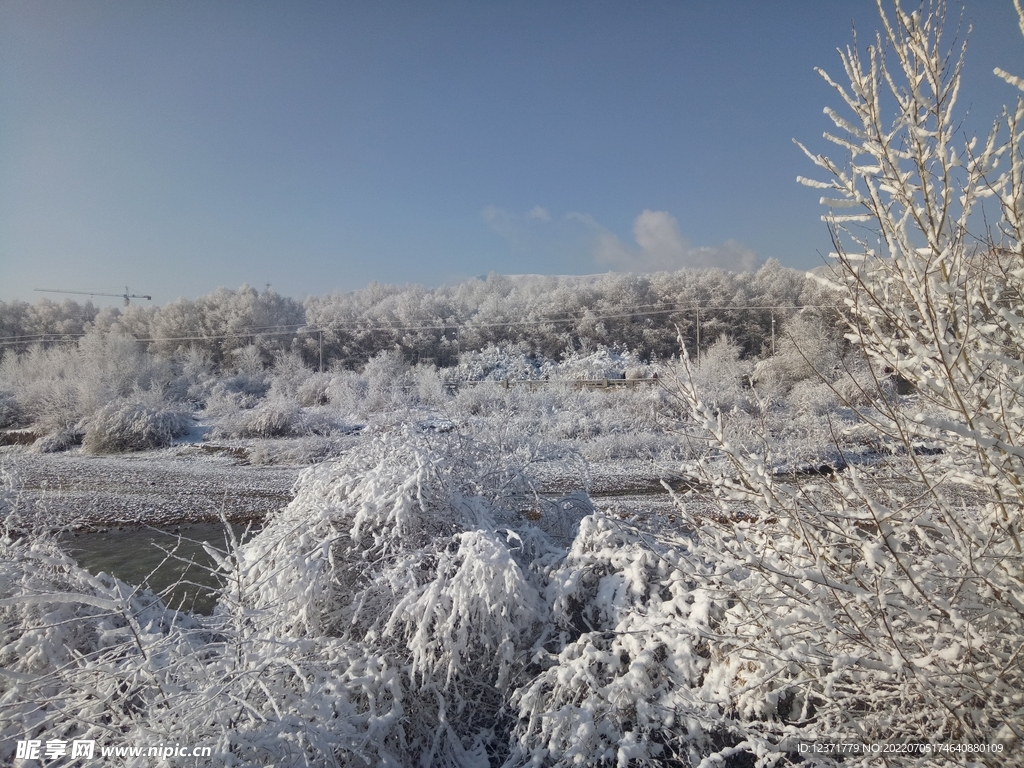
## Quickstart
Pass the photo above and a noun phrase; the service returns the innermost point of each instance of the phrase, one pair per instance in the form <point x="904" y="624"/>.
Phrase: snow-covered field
<point x="508" y="585"/>
<point x="484" y="575"/>
<point x="156" y="488"/>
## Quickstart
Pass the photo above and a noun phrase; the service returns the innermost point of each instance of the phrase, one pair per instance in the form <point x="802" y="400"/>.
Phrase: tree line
<point x="545" y="315"/>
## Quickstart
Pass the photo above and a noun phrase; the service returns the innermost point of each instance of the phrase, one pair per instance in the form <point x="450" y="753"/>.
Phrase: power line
<point x="297" y="328"/>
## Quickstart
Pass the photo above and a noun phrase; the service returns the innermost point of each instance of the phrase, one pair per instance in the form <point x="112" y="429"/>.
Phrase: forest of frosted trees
<point x="547" y="315"/>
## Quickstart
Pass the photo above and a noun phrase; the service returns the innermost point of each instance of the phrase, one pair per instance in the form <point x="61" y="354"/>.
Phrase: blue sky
<point x="179" y="146"/>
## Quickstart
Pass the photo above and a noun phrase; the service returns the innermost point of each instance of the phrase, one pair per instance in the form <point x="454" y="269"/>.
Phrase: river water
<point x="171" y="562"/>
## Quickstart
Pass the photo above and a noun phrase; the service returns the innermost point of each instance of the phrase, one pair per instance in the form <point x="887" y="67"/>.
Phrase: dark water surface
<point x="171" y="562"/>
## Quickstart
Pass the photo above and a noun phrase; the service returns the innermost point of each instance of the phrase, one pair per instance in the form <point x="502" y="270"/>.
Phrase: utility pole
<point x="698" y="334"/>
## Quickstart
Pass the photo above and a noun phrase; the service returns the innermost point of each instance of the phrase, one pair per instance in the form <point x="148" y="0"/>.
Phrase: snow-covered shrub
<point x="386" y="384"/>
<point x="603" y="363"/>
<point x="325" y="421"/>
<point x="859" y="608"/>
<point x="388" y="381"/>
<point x="861" y="386"/>
<point x="10" y="411"/>
<point x="126" y="425"/>
<point x="61" y="440"/>
<point x="90" y="657"/>
<point x="482" y="400"/>
<point x="427" y="386"/>
<point x="629" y="677"/>
<point x="300" y="450"/>
<point x="412" y="553"/>
<point x="290" y="379"/>
<point x="595" y="424"/>
<point x="248" y="361"/>
<point x="54" y="405"/>
<point x="84" y="656"/>
<point x="195" y="376"/>
<point x="793" y="425"/>
<point x="44" y="382"/>
<point x="275" y="417"/>
<point x="314" y="390"/>
<point x="660" y="445"/>
<point x="804" y="351"/>
<point x="346" y="391"/>
<point x="239" y="391"/>
<point x="514" y="362"/>
<point x="518" y="363"/>
<point x="9" y="517"/>
<point x="56" y="387"/>
<point x="812" y="398"/>
<point x="722" y="377"/>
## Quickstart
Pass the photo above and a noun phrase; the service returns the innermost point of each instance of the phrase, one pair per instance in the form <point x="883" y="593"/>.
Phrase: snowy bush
<point x="621" y="680"/>
<point x="240" y="391"/>
<point x="482" y="400"/>
<point x="301" y="450"/>
<point x="805" y="351"/>
<point x="195" y="376"/>
<point x="427" y="386"/>
<point x="519" y="363"/>
<point x="346" y="391"/>
<point x="388" y="381"/>
<point x="10" y="411"/>
<point x="595" y="424"/>
<point x="812" y="398"/>
<point x="314" y="390"/>
<point x="860" y="385"/>
<point x="133" y="426"/>
<point x="59" y="441"/>
<point x="418" y="551"/>
<point x="83" y="655"/>
<point x="493" y="363"/>
<point x="248" y="361"/>
<point x="290" y="379"/>
<point x="603" y="363"/>
<point x="413" y="556"/>
<point x="722" y="377"/>
<point x="275" y="417"/>
<point x="875" y="608"/>
<point x="386" y="384"/>
<point x="56" y="387"/>
<point x="272" y="418"/>
<point x="44" y="384"/>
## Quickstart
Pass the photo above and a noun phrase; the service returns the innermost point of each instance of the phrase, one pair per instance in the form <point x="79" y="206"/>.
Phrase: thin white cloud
<point x="659" y="246"/>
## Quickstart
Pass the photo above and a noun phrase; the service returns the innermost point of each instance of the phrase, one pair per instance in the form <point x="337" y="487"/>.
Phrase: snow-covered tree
<point x="890" y="607"/>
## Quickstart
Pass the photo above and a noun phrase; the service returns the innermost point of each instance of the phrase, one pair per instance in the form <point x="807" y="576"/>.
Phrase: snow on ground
<point x="157" y="488"/>
<point x="193" y="483"/>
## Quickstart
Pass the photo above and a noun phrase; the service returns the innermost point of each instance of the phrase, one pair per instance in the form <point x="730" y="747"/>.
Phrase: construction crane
<point x="126" y="295"/>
